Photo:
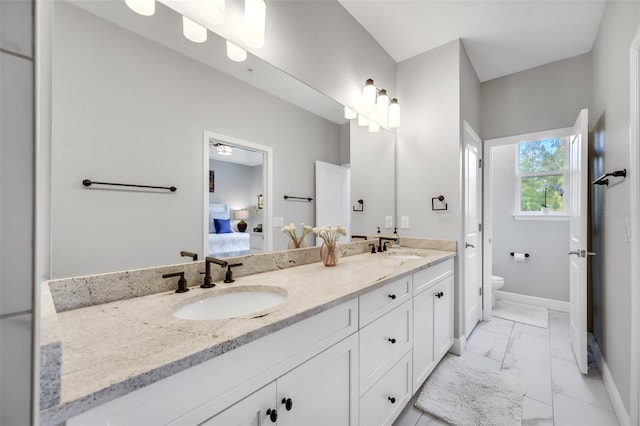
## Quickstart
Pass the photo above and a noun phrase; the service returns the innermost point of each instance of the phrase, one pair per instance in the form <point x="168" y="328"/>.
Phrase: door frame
<point x="634" y="176"/>
<point x="267" y="181"/>
<point x="487" y="208"/>
<point x="467" y="129"/>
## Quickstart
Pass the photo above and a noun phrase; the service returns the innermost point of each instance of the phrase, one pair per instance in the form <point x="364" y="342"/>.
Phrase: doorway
<point x="240" y="189"/>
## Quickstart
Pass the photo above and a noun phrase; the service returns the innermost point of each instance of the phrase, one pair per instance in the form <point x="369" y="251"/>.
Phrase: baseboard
<point x="616" y="401"/>
<point x="459" y="345"/>
<point x="556" y="305"/>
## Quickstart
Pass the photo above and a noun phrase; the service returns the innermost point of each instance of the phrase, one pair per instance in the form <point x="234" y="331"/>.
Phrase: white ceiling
<point x="500" y="36"/>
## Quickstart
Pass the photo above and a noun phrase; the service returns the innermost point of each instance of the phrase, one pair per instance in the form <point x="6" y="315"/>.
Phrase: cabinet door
<point x="323" y="390"/>
<point x="423" y="355"/>
<point x="443" y="318"/>
<point x="250" y="411"/>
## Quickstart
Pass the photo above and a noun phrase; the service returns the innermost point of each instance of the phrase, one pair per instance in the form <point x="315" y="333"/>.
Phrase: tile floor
<point x="557" y="394"/>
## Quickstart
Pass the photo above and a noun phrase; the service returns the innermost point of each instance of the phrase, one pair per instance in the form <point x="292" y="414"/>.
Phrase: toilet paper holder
<point x="525" y="255"/>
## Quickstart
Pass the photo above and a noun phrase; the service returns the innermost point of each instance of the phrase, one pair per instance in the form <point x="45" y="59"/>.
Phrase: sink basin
<point x="232" y="303"/>
<point x="404" y="256"/>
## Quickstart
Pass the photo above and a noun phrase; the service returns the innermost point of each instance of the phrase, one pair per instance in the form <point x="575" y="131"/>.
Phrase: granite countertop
<point x="111" y="349"/>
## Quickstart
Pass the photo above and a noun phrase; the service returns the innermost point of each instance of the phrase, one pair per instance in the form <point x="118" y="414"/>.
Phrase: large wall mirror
<point x="132" y="103"/>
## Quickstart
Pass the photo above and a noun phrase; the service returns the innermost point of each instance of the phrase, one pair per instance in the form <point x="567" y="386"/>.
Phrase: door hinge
<point x="479" y="227"/>
<point x="480" y="288"/>
<point x="479" y="163"/>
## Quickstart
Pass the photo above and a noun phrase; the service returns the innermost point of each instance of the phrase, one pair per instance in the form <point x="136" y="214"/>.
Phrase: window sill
<point x="548" y="217"/>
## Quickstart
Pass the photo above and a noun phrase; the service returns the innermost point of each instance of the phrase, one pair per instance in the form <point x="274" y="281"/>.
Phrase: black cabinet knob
<point x="288" y="403"/>
<point x="392" y="296"/>
<point x="392" y="399"/>
<point x="391" y="340"/>
<point x="273" y="415"/>
<point x="439" y="295"/>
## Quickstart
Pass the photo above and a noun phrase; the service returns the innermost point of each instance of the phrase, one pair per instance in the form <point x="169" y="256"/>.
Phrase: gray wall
<point x="611" y="99"/>
<point x="16" y="211"/>
<point x="144" y="123"/>
<point x="546" y="97"/>
<point x="544" y="274"/>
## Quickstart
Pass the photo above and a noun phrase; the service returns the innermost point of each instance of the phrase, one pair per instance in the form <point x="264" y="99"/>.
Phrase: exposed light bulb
<point x="142" y="7"/>
<point x="254" y="22"/>
<point x="394" y="113"/>
<point x="362" y="120"/>
<point x="349" y="114"/>
<point x="369" y="94"/>
<point x="382" y="105"/>
<point x="193" y="31"/>
<point x="374" y="127"/>
<point x="236" y="53"/>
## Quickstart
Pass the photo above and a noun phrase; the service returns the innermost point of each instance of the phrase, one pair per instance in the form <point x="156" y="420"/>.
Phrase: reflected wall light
<point x="254" y="22"/>
<point x="236" y="53"/>
<point x="142" y="7"/>
<point x="193" y="31"/>
<point x="375" y="110"/>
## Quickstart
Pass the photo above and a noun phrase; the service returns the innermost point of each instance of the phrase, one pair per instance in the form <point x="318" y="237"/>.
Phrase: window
<point x="541" y="171"/>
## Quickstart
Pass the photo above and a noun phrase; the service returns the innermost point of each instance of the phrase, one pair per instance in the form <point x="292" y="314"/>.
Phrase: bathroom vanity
<point x="350" y="344"/>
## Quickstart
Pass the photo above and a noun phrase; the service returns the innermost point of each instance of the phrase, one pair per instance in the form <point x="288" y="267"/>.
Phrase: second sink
<point x="231" y="303"/>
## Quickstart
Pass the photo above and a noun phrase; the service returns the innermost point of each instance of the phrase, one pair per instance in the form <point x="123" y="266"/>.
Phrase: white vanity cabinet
<point x="432" y="318"/>
<point x="319" y="392"/>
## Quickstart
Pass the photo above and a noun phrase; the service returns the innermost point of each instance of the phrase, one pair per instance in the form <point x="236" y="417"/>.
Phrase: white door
<point x="333" y="197"/>
<point x="578" y="238"/>
<point x="472" y="230"/>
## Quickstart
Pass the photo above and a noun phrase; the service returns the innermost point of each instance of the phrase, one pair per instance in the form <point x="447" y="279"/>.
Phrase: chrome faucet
<point x="208" y="280"/>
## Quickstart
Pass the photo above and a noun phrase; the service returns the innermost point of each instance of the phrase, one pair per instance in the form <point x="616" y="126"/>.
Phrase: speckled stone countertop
<point x="111" y="349"/>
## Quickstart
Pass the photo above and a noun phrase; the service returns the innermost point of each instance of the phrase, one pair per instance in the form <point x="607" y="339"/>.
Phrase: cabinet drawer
<point x="424" y="279"/>
<point x="387" y="398"/>
<point x="380" y="301"/>
<point x="383" y="342"/>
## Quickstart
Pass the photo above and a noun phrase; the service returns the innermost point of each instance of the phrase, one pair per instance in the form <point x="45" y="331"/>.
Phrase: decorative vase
<point x="330" y="253"/>
<point x="294" y="245"/>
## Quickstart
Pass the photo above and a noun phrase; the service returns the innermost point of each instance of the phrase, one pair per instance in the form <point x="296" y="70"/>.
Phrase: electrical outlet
<point x="404" y="222"/>
<point x="278" y="221"/>
<point x="388" y="222"/>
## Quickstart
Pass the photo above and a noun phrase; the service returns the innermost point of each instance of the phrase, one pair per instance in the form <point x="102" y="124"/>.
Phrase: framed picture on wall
<point x="212" y="181"/>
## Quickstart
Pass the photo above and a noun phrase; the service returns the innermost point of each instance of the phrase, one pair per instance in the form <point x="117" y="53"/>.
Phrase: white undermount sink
<point x="404" y="256"/>
<point x="232" y="303"/>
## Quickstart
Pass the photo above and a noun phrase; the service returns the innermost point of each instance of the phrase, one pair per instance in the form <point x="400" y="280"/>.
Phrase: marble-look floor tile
<point x="487" y="343"/>
<point x="559" y="324"/>
<point x="496" y="325"/>
<point x="528" y="357"/>
<point x="571" y="412"/>
<point x="536" y="413"/>
<point x="427" y="420"/>
<point x="486" y="362"/>
<point x="568" y="381"/>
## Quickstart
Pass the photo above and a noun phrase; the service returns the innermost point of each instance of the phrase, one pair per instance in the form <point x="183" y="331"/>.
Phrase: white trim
<point x="614" y="396"/>
<point x="551" y="217"/>
<point x="555" y="305"/>
<point x="459" y="345"/>
<point x="267" y="183"/>
<point x="634" y="176"/>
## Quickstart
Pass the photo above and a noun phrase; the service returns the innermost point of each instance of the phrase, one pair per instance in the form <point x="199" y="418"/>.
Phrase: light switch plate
<point x="388" y="222"/>
<point x="278" y="221"/>
<point x="404" y="222"/>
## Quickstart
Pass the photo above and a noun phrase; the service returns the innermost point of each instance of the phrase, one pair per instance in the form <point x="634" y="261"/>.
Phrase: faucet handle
<point x="373" y="248"/>
<point x="182" y="283"/>
<point x="228" y="276"/>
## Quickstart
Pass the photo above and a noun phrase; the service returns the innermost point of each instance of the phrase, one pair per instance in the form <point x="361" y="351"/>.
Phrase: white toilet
<point x="496" y="284"/>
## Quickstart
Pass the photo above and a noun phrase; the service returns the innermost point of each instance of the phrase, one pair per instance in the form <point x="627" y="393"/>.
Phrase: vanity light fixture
<point x="193" y="31"/>
<point x="369" y="92"/>
<point x="349" y="114"/>
<point x="142" y="7"/>
<point x="394" y="113"/>
<point x="254" y="22"/>
<point x="362" y="120"/>
<point x="223" y="149"/>
<point x="236" y="53"/>
<point x="382" y="106"/>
